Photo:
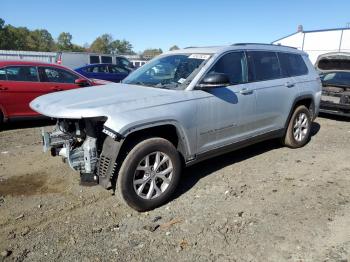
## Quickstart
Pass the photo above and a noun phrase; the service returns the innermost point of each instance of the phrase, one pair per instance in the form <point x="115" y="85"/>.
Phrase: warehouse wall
<point x="320" y="42"/>
<point x="48" y="57"/>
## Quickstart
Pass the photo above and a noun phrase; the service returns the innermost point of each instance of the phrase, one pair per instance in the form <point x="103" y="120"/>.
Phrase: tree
<point x="102" y="44"/>
<point x="174" y="47"/>
<point x="40" y="40"/>
<point x="64" y="42"/>
<point x="151" y="52"/>
<point x="2" y="23"/>
<point x="122" y="47"/>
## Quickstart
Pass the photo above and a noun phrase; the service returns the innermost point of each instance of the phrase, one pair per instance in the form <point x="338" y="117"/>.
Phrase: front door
<point x="226" y="114"/>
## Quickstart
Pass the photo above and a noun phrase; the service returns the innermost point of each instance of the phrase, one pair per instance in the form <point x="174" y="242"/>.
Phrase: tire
<point x="1" y="120"/>
<point x="299" y="128"/>
<point x="162" y="179"/>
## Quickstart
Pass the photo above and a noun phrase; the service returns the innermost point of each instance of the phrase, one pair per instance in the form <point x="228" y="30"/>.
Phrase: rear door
<point x="20" y="88"/>
<point x="97" y="72"/>
<point x="57" y="79"/>
<point x="294" y="66"/>
<point x="275" y="91"/>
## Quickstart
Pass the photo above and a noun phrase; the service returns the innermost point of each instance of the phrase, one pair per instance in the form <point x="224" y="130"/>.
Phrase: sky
<point x="162" y="24"/>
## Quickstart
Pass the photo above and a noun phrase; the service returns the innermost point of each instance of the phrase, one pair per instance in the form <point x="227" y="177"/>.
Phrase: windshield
<point x="336" y="78"/>
<point x="170" y="71"/>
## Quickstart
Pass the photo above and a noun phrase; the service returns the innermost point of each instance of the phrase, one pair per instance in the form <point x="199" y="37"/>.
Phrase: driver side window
<point x="233" y="65"/>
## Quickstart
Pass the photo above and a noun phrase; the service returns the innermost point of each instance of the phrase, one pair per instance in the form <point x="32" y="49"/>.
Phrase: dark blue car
<point x="109" y="72"/>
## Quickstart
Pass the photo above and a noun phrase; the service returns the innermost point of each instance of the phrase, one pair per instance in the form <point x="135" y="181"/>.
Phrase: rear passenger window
<point x="292" y="64"/>
<point x="97" y="69"/>
<point x="263" y="66"/>
<point x="2" y="74"/>
<point x="22" y="73"/>
<point x="233" y="65"/>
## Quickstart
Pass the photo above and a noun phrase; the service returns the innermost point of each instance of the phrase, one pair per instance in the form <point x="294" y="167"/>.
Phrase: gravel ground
<point x="262" y="203"/>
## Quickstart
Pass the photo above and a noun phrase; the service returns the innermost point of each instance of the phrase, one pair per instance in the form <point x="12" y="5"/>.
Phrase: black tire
<point x="128" y="173"/>
<point x="290" y="138"/>
<point x="1" y="120"/>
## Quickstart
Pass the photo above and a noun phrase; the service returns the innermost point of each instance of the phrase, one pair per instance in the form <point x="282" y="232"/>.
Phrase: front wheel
<point x="149" y="174"/>
<point x="299" y="128"/>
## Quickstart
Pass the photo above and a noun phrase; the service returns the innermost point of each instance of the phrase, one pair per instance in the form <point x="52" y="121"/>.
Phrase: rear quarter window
<point x="292" y="64"/>
<point x="263" y="65"/>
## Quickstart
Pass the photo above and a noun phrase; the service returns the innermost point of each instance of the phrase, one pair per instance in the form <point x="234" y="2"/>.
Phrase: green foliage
<point x="122" y="47"/>
<point x="21" y="38"/>
<point x="40" y="40"/>
<point x="174" y="47"/>
<point x="105" y="44"/>
<point x="151" y="52"/>
<point x="64" y="42"/>
<point x="102" y="44"/>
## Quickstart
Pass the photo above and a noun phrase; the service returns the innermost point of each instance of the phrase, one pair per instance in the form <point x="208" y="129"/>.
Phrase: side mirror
<point x="215" y="80"/>
<point x="82" y="82"/>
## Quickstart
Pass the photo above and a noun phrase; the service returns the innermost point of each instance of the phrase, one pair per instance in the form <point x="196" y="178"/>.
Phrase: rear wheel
<point x="299" y="128"/>
<point x="149" y="174"/>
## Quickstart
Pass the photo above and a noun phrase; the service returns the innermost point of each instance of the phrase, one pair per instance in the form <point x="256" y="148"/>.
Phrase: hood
<point x="336" y="61"/>
<point x="104" y="100"/>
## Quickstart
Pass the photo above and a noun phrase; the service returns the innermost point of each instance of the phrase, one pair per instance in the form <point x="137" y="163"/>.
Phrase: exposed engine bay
<point x="79" y="143"/>
<point x="335" y="77"/>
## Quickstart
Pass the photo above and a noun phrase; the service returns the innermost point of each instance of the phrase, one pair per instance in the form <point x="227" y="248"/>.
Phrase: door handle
<point x="2" y="88"/>
<point x="246" y="91"/>
<point x="289" y="84"/>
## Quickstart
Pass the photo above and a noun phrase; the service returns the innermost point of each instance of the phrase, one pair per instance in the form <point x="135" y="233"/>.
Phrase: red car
<point x="22" y="81"/>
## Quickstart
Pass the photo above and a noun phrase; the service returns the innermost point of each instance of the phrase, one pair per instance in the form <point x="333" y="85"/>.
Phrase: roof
<point x="239" y="46"/>
<point x="313" y="31"/>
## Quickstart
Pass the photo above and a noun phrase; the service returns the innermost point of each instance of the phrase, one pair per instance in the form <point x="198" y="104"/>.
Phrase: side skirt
<point x="235" y="146"/>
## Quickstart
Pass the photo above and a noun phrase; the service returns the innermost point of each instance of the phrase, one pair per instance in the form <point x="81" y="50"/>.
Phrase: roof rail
<point x="190" y="47"/>
<point x="262" y="44"/>
<point x="251" y="44"/>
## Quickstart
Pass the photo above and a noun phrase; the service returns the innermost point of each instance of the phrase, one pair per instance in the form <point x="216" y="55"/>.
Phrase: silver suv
<point x="178" y="109"/>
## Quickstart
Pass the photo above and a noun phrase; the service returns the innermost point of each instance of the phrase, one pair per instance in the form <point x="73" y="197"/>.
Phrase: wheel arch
<point x="306" y="100"/>
<point x="169" y="130"/>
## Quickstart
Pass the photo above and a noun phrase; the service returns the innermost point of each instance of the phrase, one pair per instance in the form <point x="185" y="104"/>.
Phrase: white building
<point x="318" y="42"/>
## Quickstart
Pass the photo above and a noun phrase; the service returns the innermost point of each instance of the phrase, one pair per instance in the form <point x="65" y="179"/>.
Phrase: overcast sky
<point x="154" y="24"/>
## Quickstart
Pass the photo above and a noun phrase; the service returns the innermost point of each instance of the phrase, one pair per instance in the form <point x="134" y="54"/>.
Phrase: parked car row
<point x="180" y="108"/>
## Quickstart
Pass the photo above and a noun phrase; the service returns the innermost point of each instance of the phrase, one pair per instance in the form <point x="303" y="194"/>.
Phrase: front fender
<point x="185" y="134"/>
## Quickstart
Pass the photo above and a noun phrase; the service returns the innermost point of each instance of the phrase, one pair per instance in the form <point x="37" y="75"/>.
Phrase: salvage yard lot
<point x="262" y="203"/>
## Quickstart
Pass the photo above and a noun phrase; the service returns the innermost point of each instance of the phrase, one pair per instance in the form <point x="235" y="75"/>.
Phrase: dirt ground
<point x="262" y="203"/>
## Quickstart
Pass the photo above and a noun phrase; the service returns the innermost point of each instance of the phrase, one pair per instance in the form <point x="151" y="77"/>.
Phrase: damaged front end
<point x="80" y="143"/>
<point x="335" y="100"/>
<point x="335" y="77"/>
